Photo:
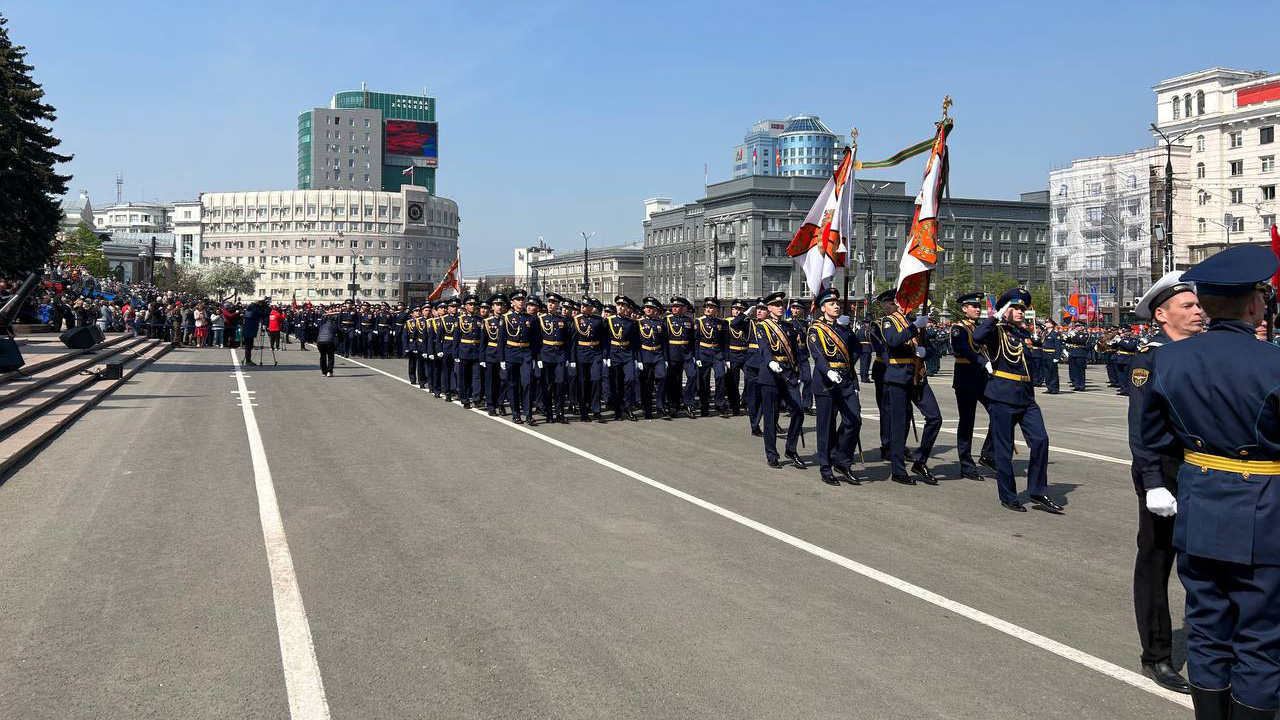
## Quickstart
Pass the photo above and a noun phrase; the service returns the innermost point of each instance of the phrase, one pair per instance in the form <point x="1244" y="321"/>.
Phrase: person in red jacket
<point x="275" y="323"/>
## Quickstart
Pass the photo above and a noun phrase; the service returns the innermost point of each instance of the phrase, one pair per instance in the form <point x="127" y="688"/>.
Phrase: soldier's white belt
<point x="1205" y="461"/>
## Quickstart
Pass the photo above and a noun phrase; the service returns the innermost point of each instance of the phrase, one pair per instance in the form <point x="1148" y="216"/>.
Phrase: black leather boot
<point x="1240" y="711"/>
<point x="1211" y="704"/>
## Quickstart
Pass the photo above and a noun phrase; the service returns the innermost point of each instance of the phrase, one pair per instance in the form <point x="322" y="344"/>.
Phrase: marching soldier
<point x="799" y="321"/>
<point x="1077" y="342"/>
<point x="1051" y="357"/>
<point x="904" y="386"/>
<point x="680" y="360"/>
<point x="835" y="388"/>
<point x="434" y="342"/>
<point x="468" y="353"/>
<point x="735" y="355"/>
<point x="969" y="380"/>
<point x="653" y="360"/>
<point x="1213" y="405"/>
<point x="750" y="323"/>
<point x="572" y="387"/>
<point x="491" y="366"/>
<point x="553" y="357"/>
<point x="398" y="320"/>
<point x="448" y="350"/>
<point x="1174" y="308"/>
<point x="709" y="356"/>
<point x="888" y="306"/>
<point x="865" y="357"/>
<point x="1035" y="357"/>
<point x="365" y="331"/>
<point x="590" y="345"/>
<point x="623" y="359"/>
<point x="778" y="377"/>
<point x="517" y="342"/>
<point x="382" y="326"/>
<point x="1126" y="345"/>
<point x="409" y="339"/>
<point x="346" y="329"/>
<point x="1011" y="401"/>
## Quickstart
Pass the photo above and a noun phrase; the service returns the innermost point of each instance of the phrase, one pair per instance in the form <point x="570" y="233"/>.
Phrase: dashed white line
<point x="302" y="680"/>
<point x="1031" y="637"/>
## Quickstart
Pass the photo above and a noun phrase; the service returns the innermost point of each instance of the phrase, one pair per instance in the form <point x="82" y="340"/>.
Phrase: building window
<point x="1186" y="104"/>
<point x="1202" y="198"/>
<point x="1237" y="196"/>
<point x="1237" y="167"/>
<point x="1268" y="221"/>
<point x="1237" y="224"/>
<point x="1199" y="143"/>
<point x="1268" y="163"/>
<point x="1237" y="138"/>
<point x="1199" y="102"/>
<point x="1177" y="109"/>
<point x="1266" y="135"/>
<point x="986" y="257"/>
<point x="1200" y="171"/>
<point x="1268" y="192"/>
<point x="1200" y="225"/>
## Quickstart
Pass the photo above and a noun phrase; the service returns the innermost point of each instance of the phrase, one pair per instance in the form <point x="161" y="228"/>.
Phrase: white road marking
<point x="977" y="436"/>
<point x="302" y="680"/>
<point x="1067" y="652"/>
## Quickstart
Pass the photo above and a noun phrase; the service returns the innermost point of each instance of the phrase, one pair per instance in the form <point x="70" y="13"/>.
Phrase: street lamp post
<point x="586" y="278"/>
<point x="868" y="272"/>
<point x="352" y="286"/>
<point x="1168" y="196"/>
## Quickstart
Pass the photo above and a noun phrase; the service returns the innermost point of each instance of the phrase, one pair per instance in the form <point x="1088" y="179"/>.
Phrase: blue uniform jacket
<point x="589" y="341"/>
<point x="1149" y="469"/>
<point x="624" y="339"/>
<point x="492" y="327"/>
<point x="900" y="338"/>
<point x="713" y="335"/>
<point x="1006" y="346"/>
<point x="970" y="372"/>
<point x="470" y="338"/>
<point x="519" y="337"/>
<point x="832" y="347"/>
<point x="1218" y="393"/>
<point x="679" y="338"/>
<point x="653" y="340"/>
<point x="553" y="345"/>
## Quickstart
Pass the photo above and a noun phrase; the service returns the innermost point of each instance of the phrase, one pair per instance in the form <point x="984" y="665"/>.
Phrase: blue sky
<point x="563" y="116"/>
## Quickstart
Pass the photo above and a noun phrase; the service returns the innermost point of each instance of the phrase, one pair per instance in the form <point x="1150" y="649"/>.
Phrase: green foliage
<point x="957" y="279"/>
<point x="996" y="283"/>
<point x="83" y="247"/>
<point x="29" y="186"/>
<point x="1040" y="301"/>
<point x="182" y="279"/>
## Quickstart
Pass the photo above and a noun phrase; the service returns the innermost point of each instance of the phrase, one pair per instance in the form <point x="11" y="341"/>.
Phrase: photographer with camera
<point x="254" y="313"/>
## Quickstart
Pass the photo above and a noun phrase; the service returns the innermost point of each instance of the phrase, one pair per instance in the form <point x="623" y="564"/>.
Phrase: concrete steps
<point x="59" y="388"/>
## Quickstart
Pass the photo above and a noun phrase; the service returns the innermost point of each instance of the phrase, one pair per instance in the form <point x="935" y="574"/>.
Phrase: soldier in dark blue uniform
<point x="346" y="329"/>
<point x="969" y="380"/>
<point x="868" y="354"/>
<point x="448" y="352"/>
<point x="432" y="346"/>
<point x="709" y="357"/>
<point x="623" y="358"/>
<point x="468" y="353"/>
<point x="888" y="305"/>
<point x="653" y="360"/>
<point x="382" y="328"/>
<point x="491" y="366"/>
<point x="554" y="350"/>
<point x="1077" y="342"/>
<point x="409" y="339"/>
<point x="1011" y="401"/>
<point x="365" y="331"/>
<point x="800" y="321"/>
<point x="736" y="351"/>
<point x="398" y="320"/>
<point x="906" y="385"/>
<point x="1214" y="403"/>
<point x="572" y="386"/>
<point x="1126" y="346"/>
<point x="835" y="388"/>
<point x="1175" y="309"/>
<point x="1051" y="343"/>
<point x="680" y="360"/>
<point x="1035" y="358"/>
<point x="590" y="345"/>
<point x="748" y="323"/>
<point x="778" y="380"/>
<point x="518" y="346"/>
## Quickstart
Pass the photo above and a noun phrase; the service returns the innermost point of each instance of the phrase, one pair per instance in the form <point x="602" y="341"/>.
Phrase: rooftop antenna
<point x="119" y="188"/>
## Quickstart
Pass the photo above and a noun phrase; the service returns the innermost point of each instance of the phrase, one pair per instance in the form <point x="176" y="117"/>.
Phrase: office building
<point x="369" y="140"/>
<point x="610" y="271"/>
<point x="524" y="257"/>
<point x="799" y="146"/>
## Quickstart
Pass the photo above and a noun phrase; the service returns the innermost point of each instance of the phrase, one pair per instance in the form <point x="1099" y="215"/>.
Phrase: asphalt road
<point x="457" y="566"/>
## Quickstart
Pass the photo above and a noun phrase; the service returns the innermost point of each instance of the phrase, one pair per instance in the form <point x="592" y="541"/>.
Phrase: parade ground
<point x="216" y="541"/>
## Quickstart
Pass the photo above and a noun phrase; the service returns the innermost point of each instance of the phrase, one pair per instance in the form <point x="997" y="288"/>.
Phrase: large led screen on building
<point x="415" y="139"/>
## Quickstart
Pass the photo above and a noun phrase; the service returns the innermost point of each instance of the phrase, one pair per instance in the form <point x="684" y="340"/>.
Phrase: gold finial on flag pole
<point x="946" y="106"/>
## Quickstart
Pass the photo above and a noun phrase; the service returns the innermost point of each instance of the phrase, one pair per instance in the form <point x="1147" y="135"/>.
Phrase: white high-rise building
<point x="1229" y="119"/>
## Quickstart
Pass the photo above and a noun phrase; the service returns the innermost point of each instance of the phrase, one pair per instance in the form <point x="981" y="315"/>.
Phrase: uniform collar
<point x="1239" y="326"/>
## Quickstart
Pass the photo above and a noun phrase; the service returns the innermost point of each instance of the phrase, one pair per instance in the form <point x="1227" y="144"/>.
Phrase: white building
<point x="186" y="227"/>
<point x="304" y="241"/>
<point x="1103" y="218"/>
<point x="137" y="217"/>
<point x="1228" y="118"/>
<point x="523" y="259"/>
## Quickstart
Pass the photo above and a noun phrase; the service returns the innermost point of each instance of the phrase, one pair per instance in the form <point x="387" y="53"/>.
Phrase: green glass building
<point x="369" y="140"/>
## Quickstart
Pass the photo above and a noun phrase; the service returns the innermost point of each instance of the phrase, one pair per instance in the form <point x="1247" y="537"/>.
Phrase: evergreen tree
<point x="29" y="186"/>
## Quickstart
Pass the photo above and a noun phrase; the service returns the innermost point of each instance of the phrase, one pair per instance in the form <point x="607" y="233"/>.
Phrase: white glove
<point x="1161" y="502"/>
<point x="990" y="371"/>
<point x="502" y="365"/>
<point x="833" y="376"/>
<point x="1003" y="309"/>
<point x="698" y="363"/>
<point x="1057" y="361"/>
<point x="573" y="365"/>
<point x="774" y="366"/>
<point x="539" y="364"/>
<point x="842" y="320"/>
<point x="457" y="360"/>
<point x="921" y="321"/>
<point x="482" y="364"/>
<point x="608" y="362"/>
<point x="426" y="355"/>
<point x="921" y="352"/>
<point x="639" y="365"/>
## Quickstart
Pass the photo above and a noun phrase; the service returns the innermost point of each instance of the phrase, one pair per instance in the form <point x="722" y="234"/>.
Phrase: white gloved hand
<point x="698" y="363"/>
<point x="921" y="352"/>
<point x="842" y="320"/>
<point x="1003" y="309"/>
<point x="1161" y="502"/>
<point x="482" y="364"/>
<point x="921" y="321"/>
<point x="1057" y="361"/>
<point x="774" y="366"/>
<point x="457" y="360"/>
<point x="639" y="365"/>
<point x="833" y="376"/>
<point x="502" y="365"/>
<point x="539" y="364"/>
<point x="607" y="362"/>
<point x="573" y="365"/>
<point x="990" y="370"/>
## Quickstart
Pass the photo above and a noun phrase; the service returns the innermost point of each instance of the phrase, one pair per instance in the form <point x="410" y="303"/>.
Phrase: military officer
<point x="748" y="324"/>
<point x="835" y="388"/>
<point x="1077" y="342"/>
<point x="518" y="343"/>
<point x="409" y="339"/>
<point x="800" y="321"/>
<point x="1174" y="308"/>
<point x="1051" y="343"/>
<point x="778" y="380"/>
<point x="448" y="352"/>
<point x="709" y="357"/>
<point x="365" y="331"/>
<point x="590" y="345"/>
<point x="736" y="352"/>
<point x="653" y="360"/>
<point x="1011" y="401"/>
<point x="572" y="386"/>
<point x="1035" y="357"/>
<point x="888" y="306"/>
<point x="491" y="366"/>
<point x="468" y="352"/>
<point x="1213" y="404"/>
<point x="969" y="381"/>
<point x="554" y="350"/>
<point x="905" y="385"/>
<point x="680" y="359"/>
<point x="622" y="362"/>
<point x="347" y="317"/>
<point x="382" y="327"/>
<point x="863" y="335"/>
<point x="1126" y="346"/>
<point x="398" y="319"/>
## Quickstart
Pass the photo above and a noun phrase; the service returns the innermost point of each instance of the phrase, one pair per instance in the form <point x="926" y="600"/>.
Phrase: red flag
<point x="450" y="281"/>
<point x="1275" y="248"/>
<point x="407" y="171"/>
